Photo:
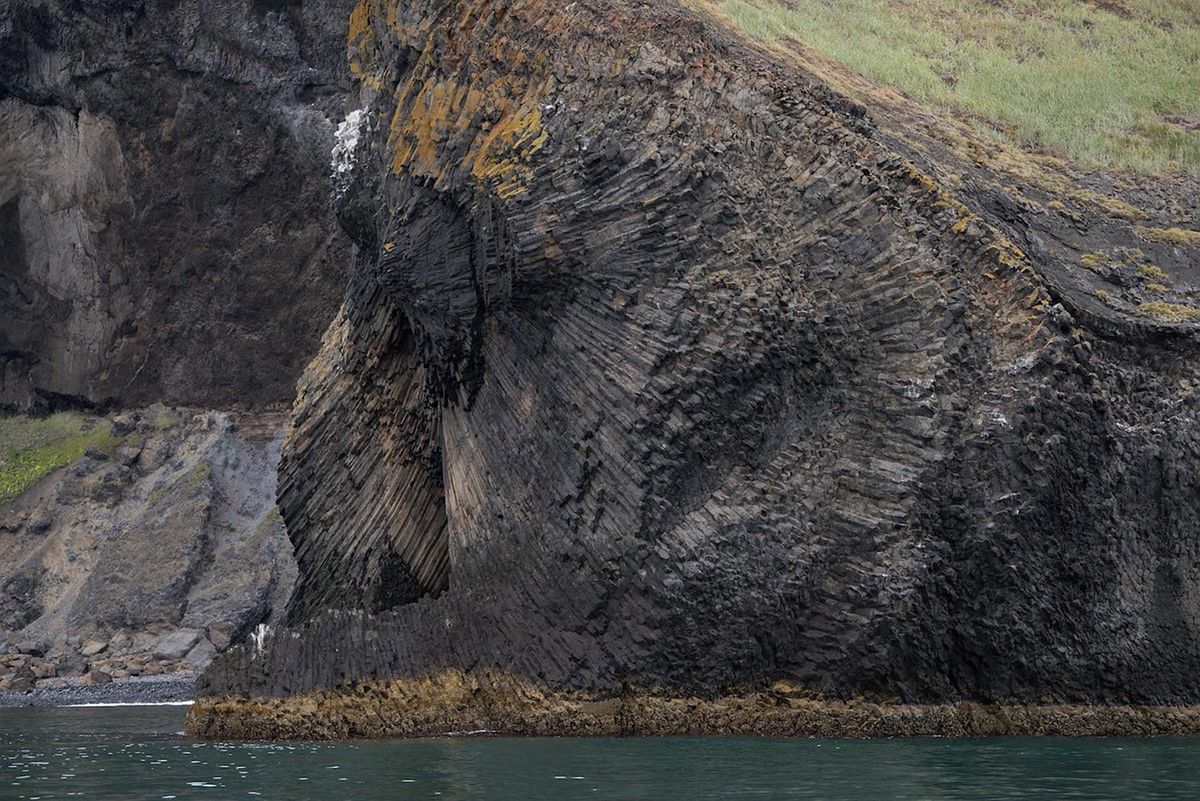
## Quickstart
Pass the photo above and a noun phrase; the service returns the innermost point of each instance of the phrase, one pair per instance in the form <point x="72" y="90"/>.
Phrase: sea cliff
<point x="664" y="371"/>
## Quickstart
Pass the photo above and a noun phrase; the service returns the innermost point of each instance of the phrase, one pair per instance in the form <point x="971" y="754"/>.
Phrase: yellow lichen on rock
<point x="430" y="116"/>
<point x="504" y="151"/>
<point x="361" y="41"/>
<point x="490" y="120"/>
<point x="456" y="702"/>
<point x="360" y="23"/>
<point x="426" y="122"/>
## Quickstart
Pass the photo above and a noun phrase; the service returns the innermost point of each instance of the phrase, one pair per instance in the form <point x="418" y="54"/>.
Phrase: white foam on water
<point x="130" y="703"/>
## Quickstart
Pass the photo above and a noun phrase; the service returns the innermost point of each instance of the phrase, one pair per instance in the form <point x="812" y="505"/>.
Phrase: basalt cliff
<point x="666" y="376"/>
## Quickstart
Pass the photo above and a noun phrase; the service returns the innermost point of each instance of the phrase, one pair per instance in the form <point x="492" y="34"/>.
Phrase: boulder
<point x="20" y="682"/>
<point x="44" y="670"/>
<point x="200" y="655"/>
<point x="220" y="637"/>
<point x="95" y="678"/>
<point x="33" y="647"/>
<point x="93" y="647"/>
<point x="176" y="645"/>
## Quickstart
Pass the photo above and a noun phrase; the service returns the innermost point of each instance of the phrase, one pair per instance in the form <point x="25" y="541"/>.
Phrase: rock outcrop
<point x="165" y="237"/>
<point x="164" y="226"/>
<point x="662" y="365"/>
<point x="150" y="553"/>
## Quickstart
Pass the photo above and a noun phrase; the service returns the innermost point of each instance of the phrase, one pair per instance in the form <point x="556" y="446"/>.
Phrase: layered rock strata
<point x="662" y="367"/>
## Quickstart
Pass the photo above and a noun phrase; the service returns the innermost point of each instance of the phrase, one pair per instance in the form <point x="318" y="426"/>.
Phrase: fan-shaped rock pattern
<point x="660" y="367"/>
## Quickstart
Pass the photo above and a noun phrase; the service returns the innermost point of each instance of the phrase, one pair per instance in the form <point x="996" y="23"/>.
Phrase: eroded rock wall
<point x="165" y="236"/>
<point x="714" y="388"/>
<point x="163" y="199"/>
<point x="156" y="549"/>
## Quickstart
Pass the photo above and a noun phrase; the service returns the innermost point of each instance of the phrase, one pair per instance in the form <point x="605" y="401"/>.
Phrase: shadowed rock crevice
<point x="371" y="487"/>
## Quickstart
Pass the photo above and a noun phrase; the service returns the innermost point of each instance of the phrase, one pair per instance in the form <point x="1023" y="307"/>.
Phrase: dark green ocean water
<point x="139" y="753"/>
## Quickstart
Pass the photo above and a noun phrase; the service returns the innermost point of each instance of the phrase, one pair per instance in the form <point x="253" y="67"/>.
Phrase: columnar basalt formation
<point x="661" y="367"/>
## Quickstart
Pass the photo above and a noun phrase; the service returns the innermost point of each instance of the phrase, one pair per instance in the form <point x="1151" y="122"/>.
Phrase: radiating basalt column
<point x="660" y="368"/>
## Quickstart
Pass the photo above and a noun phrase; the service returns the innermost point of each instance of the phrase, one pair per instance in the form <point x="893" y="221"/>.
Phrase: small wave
<point x="130" y="703"/>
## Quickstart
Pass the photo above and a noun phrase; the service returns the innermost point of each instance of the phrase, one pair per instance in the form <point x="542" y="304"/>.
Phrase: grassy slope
<point x="32" y="447"/>
<point x="1113" y="82"/>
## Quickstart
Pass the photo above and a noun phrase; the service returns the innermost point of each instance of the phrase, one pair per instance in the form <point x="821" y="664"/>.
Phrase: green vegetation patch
<point x="1113" y="83"/>
<point x="31" y="447"/>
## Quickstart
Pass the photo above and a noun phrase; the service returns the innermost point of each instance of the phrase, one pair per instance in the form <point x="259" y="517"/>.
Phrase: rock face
<point x="165" y="540"/>
<point x="660" y="365"/>
<point x="164" y="225"/>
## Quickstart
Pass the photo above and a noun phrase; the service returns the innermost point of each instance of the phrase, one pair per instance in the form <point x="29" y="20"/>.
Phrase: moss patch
<point x="32" y="447"/>
<point x="1154" y="273"/>
<point x="1170" y="312"/>
<point x="1172" y="236"/>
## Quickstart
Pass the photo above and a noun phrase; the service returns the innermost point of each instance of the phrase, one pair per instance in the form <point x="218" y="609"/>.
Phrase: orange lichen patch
<point x="461" y="124"/>
<point x="441" y="113"/>
<point x="425" y="123"/>
<point x="362" y="43"/>
<point x="367" y="79"/>
<point x="360" y="23"/>
<point x="504" y="151"/>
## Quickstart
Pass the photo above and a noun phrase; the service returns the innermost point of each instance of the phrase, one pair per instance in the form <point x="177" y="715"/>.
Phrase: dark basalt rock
<point x="164" y="226"/>
<point x="660" y="366"/>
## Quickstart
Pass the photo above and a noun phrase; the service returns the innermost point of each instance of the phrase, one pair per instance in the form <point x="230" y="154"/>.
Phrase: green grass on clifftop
<point x="1110" y="82"/>
<point x="31" y="447"/>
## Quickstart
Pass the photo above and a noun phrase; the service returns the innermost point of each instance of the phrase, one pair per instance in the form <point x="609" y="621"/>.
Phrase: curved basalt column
<point x="660" y="368"/>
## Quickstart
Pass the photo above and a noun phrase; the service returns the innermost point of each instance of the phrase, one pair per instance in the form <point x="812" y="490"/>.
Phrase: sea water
<point x="141" y="753"/>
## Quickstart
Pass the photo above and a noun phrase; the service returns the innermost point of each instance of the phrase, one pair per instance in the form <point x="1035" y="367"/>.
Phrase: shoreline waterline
<point x="123" y="753"/>
<point x="133" y="691"/>
<point x="129" y="703"/>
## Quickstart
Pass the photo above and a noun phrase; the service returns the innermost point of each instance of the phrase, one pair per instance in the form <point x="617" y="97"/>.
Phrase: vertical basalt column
<point x="360" y="478"/>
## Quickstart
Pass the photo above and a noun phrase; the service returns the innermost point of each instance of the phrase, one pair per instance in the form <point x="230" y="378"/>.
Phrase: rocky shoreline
<point x="454" y="703"/>
<point x="133" y="690"/>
